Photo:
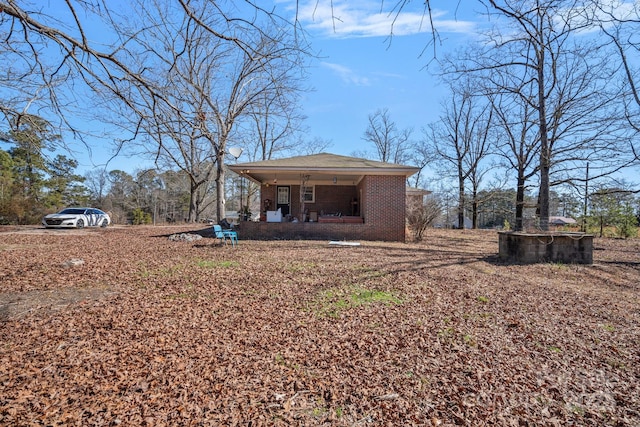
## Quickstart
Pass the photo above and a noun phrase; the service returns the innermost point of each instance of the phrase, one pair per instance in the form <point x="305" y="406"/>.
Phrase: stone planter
<point x="528" y="248"/>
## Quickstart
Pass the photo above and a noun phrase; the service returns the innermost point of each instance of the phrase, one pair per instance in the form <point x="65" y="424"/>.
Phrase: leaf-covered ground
<point x="149" y="331"/>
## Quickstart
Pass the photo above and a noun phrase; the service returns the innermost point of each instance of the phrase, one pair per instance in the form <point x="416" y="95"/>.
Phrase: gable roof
<point x="323" y="167"/>
<point x="561" y="220"/>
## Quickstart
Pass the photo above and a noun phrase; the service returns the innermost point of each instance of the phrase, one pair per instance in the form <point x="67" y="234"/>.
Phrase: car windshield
<point x="72" y="211"/>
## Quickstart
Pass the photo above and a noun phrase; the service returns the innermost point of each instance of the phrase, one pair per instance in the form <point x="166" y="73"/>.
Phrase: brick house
<point x="342" y="198"/>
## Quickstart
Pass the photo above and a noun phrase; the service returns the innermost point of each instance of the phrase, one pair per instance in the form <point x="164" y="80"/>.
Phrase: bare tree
<point x="421" y="155"/>
<point x="212" y="90"/>
<point x="249" y="79"/>
<point x="395" y="145"/>
<point x="51" y="53"/>
<point x="186" y="61"/>
<point x="518" y="144"/>
<point x="274" y="121"/>
<point x="537" y="54"/>
<point x="96" y="182"/>
<point x="620" y="26"/>
<point x="50" y="50"/>
<point x="391" y="143"/>
<point x="271" y="129"/>
<point x="305" y="147"/>
<point x="461" y="139"/>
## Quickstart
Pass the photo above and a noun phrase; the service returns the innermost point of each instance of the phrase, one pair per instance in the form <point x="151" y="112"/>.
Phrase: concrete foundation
<point x="528" y="248"/>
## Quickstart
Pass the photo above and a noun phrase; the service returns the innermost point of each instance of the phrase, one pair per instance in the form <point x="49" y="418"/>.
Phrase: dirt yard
<point x="123" y="326"/>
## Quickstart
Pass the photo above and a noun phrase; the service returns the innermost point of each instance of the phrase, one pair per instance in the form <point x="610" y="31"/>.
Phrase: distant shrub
<point x="422" y="215"/>
<point x="141" y="217"/>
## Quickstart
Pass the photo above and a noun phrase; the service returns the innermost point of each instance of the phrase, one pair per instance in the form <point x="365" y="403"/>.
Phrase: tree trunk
<point x="544" y="186"/>
<point x="474" y="208"/>
<point x="519" y="225"/>
<point x="220" y="202"/>
<point x="193" y="194"/>
<point x="460" y="200"/>
<point x="545" y="152"/>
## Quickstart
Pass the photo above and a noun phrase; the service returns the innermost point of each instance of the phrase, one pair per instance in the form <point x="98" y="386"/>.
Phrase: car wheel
<point x="80" y="223"/>
<point x="104" y="223"/>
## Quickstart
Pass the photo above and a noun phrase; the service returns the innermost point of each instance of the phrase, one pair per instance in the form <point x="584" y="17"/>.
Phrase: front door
<point x="283" y="200"/>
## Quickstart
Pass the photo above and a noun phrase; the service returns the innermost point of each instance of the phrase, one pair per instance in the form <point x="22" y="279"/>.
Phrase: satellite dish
<point x="235" y="152"/>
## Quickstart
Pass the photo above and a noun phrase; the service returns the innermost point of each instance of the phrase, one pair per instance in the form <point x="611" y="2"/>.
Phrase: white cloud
<point x="606" y="15"/>
<point x="365" y="18"/>
<point x="347" y="75"/>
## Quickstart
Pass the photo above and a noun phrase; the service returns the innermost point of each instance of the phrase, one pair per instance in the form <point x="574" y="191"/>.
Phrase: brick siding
<point x="381" y="202"/>
<point x="384" y="205"/>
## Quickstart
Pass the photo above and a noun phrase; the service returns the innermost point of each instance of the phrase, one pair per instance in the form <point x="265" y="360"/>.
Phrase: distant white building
<point x="453" y="222"/>
<point x="561" y="221"/>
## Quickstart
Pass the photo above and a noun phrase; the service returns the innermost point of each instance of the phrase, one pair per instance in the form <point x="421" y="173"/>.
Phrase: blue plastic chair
<point x="225" y="234"/>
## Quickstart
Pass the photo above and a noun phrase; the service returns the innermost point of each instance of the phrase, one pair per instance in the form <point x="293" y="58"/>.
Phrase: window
<point x="283" y="195"/>
<point x="309" y="194"/>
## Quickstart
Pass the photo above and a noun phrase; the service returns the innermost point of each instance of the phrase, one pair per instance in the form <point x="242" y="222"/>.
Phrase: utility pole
<point x="586" y="199"/>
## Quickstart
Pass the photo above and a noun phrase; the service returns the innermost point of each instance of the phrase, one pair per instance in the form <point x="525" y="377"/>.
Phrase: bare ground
<point x="149" y="331"/>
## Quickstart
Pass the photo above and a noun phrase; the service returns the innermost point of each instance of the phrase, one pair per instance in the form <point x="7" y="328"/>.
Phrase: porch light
<point x="335" y="179"/>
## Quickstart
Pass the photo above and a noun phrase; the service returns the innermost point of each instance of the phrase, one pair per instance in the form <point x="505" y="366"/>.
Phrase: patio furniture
<point x="225" y="234"/>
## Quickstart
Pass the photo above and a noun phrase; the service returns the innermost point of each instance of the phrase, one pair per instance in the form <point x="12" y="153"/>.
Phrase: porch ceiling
<point x="295" y="177"/>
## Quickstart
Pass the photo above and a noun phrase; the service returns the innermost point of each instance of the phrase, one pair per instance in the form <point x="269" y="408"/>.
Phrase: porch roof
<point x="323" y="168"/>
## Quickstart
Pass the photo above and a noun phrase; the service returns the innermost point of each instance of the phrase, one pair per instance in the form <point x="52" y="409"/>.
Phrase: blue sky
<point x="358" y="71"/>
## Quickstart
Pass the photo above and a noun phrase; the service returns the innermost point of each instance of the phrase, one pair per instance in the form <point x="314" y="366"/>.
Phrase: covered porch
<point x="326" y="196"/>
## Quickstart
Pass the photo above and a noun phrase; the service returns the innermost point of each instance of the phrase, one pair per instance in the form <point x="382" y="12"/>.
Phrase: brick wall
<point x="381" y="202"/>
<point x="305" y="231"/>
<point x="333" y="198"/>
<point x="384" y="205"/>
<point x="268" y="193"/>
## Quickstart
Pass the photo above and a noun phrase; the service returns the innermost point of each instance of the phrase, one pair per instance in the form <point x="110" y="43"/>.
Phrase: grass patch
<point x="13" y="247"/>
<point x="332" y="302"/>
<point x="578" y="410"/>
<point x="203" y="263"/>
<point x="447" y="333"/>
<point x="318" y="412"/>
<point x="364" y="296"/>
<point x="559" y="265"/>
<point x="371" y="273"/>
<point x="302" y="268"/>
<point x="469" y="340"/>
<point x="159" y="272"/>
<point x="483" y="299"/>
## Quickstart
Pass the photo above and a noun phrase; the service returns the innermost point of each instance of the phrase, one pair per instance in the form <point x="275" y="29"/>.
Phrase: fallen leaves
<point x="150" y="331"/>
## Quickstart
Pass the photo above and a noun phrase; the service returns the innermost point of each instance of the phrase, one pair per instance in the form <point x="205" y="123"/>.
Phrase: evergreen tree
<point x="65" y="188"/>
<point x="30" y="183"/>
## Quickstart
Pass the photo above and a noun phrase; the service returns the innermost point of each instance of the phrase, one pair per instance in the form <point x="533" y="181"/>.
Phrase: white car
<point x="77" y="218"/>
